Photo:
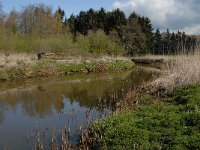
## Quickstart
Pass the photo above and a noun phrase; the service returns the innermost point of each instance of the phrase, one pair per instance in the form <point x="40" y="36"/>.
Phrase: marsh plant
<point x="180" y="72"/>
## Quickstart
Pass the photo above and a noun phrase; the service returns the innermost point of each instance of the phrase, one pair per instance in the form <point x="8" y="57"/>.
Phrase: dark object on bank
<point x="39" y="55"/>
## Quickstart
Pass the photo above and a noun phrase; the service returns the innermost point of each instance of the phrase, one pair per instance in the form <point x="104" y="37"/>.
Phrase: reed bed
<point x="180" y="72"/>
<point x="61" y="138"/>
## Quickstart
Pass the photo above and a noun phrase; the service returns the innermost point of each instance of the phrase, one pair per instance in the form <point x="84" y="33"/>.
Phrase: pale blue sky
<point x="70" y="6"/>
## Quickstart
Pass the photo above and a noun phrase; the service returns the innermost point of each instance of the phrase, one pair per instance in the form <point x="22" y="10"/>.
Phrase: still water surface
<point x="59" y="103"/>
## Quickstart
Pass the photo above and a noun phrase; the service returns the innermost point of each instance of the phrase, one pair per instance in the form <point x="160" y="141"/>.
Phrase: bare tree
<point x="11" y="21"/>
<point x="2" y="15"/>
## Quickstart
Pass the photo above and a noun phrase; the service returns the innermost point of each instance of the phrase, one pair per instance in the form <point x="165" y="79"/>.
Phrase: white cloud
<point x="172" y="14"/>
<point x="192" y="29"/>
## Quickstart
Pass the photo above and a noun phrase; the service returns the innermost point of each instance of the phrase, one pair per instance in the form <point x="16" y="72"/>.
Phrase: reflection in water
<point x="1" y="117"/>
<point x="59" y="102"/>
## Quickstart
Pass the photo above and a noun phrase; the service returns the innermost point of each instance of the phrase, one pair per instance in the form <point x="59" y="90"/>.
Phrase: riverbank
<point x="153" y="123"/>
<point x="157" y="61"/>
<point x="163" y="114"/>
<point x="17" y="66"/>
<point x="153" y="59"/>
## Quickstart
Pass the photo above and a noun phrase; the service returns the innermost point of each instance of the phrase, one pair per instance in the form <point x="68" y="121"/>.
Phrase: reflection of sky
<point x="17" y="124"/>
<point x="58" y="104"/>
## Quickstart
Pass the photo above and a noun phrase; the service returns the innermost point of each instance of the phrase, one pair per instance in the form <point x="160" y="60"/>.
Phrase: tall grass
<point x="180" y="72"/>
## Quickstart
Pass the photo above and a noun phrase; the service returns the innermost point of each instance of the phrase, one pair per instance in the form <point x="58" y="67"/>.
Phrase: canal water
<point x="60" y="104"/>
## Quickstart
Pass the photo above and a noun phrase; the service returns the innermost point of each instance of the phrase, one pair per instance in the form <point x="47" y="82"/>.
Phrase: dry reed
<point x="180" y="72"/>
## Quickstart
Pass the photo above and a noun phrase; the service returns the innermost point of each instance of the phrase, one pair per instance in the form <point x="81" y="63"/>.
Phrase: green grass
<point x="174" y="125"/>
<point x="120" y="64"/>
<point x="11" y="73"/>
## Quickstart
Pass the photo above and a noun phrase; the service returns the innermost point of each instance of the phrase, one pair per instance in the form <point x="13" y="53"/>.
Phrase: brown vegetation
<point x="183" y="71"/>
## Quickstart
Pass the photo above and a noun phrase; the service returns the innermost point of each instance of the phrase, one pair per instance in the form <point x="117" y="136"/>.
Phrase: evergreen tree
<point x="72" y="25"/>
<point x="133" y="38"/>
<point x="149" y="33"/>
<point x="157" y="43"/>
<point x="92" y="20"/>
<point x="82" y="23"/>
<point x="173" y="44"/>
<point x="133" y="17"/>
<point x="179" y="41"/>
<point x="119" y="19"/>
<point x="167" y="45"/>
<point x="183" y="42"/>
<point x="147" y="29"/>
<point x="101" y="18"/>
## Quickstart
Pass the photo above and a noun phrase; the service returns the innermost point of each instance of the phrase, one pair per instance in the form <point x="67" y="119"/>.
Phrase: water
<point x="59" y="103"/>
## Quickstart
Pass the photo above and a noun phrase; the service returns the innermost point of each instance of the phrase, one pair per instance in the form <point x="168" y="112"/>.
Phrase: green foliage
<point x="100" y="43"/>
<point x="11" y="73"/>
<point x="88" y="32"/>
<point x="95" y="20"/>
<point x="119" y="65"/>
<point x="134" y="39"/>
<point x="73" y="67"/>
<point x="137" y="35"/>
<point x="94" y="43"/>
<point x="161" y="126"/>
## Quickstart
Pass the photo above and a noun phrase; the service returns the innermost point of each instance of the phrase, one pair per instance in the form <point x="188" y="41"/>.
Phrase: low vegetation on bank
<point x="50" y="67"/>
<point x="165" y="125"/>
<point x="164" y="114"/>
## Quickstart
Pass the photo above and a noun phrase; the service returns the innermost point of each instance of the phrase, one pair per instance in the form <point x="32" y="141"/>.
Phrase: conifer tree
<point x="167" y="47"/>
<point x="157" y="42"/>
<point x="173" y="44"/>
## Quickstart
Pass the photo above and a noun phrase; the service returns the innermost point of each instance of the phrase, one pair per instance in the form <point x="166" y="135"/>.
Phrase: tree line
<point x="36" y="19"/>
<point x="135" y="33"/>
<point x="174" y="43"/>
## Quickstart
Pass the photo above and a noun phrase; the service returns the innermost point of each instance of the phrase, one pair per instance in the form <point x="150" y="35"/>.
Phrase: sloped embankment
<point x="167" y="125"/>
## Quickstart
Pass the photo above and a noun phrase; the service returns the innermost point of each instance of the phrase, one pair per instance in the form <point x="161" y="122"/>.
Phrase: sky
<point x="182" y="15"/>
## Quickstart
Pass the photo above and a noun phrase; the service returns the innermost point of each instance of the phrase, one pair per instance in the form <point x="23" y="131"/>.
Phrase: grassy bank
<point x="49" y="67"/>
<point x="171" y="125"/>
<point x="170" y="119"/>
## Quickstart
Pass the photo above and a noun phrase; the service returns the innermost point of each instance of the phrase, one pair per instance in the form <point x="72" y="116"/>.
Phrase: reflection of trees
<point x="2" y="107"/>
<point x="139" y="76"/>
<point x="44" y="99"/>
<point x="1" y="117"/>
